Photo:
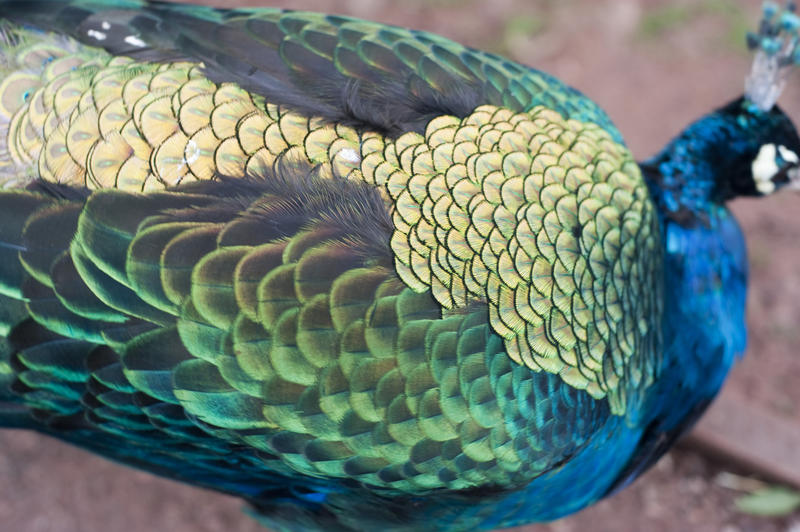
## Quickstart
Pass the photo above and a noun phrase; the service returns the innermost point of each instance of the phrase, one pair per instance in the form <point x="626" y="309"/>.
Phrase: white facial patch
<point x="794" y="174"/>
<point x="788" y="155"/>
<point x="764" y="168"/>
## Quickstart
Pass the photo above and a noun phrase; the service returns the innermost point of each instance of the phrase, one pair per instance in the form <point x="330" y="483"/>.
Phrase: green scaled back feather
<point x="293" y="338"/>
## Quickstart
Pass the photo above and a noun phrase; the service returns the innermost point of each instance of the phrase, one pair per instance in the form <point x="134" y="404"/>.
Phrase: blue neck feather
<point x="705" y="264"/>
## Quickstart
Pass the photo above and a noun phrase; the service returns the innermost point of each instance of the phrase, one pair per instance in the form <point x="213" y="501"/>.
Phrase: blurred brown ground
<point x="654" y="66"/>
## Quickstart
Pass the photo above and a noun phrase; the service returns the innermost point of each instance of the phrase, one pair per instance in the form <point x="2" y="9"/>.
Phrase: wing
<point x="266" y="315"/>
<point x="372" y="76"/>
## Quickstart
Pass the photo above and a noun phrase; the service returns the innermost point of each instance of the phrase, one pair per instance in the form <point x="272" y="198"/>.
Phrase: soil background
<point x="654" y="66"/>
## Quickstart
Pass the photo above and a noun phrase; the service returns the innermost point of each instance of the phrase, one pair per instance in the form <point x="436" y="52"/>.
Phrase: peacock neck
<point x="705" y="276"/>
<point x="705" y="259"/>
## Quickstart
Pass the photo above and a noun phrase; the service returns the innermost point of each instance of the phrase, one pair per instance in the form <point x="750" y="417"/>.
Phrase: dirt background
<point x="654" y="66"/>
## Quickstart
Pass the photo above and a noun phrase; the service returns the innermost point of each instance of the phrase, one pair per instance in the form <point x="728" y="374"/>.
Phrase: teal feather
<point x="259" y="335"/>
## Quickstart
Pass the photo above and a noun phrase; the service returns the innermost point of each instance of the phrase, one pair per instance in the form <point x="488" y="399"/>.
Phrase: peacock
<point x="361" y="276"/>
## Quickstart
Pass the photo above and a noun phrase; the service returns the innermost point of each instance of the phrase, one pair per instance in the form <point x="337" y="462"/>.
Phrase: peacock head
<point x="772" y="147"/>
<point x="759" y="153"/>
<point x="749" y="147"/>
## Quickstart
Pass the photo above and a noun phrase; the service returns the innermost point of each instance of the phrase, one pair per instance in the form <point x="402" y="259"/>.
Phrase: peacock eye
<point x="772" y="167"/>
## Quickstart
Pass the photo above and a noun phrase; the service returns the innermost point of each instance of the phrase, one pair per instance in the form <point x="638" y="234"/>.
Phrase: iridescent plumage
<point x="359" y="275"/>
